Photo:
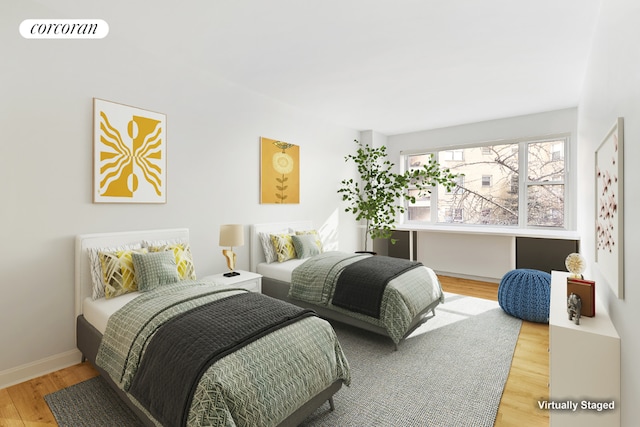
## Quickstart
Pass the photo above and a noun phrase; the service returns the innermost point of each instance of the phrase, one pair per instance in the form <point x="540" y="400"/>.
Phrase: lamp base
<point x="231" y="274"/>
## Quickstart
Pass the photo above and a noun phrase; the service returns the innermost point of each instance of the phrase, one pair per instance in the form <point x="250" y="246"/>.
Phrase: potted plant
<point x="380" y="194"/>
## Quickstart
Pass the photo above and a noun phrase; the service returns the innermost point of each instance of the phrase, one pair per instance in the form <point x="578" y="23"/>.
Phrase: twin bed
<point x="257" y="372"/>
<point x="265" y="381"/>
<point x="409" y="299"/>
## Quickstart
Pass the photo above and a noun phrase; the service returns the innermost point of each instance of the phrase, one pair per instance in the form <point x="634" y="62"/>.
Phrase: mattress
<point x="279" y="270"/>
<point x="97" y="312"/>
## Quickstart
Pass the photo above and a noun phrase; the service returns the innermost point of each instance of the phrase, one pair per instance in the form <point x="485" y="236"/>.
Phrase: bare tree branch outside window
<point x="495" y="201"/>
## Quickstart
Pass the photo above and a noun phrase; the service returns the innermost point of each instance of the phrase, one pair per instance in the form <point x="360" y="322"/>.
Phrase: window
<point x="459" y="188"/>
<point x="451" y="155"/>
<point x="485" y="216"/>
<point x="557" y="151"/>
<point x="493" y="190"/>
<point x="454" y="215"/>
<point x="514" y="184"/>
<point x="545" y="184"/>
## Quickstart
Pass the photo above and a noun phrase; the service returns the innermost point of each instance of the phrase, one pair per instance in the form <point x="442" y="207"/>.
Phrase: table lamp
<point x="231" y="235"/>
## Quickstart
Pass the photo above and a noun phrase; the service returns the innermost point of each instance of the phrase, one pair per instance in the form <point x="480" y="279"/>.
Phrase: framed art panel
<point x="610" y="208"/>
<point x="279" y="172"/>
<point x="130" y="154"/>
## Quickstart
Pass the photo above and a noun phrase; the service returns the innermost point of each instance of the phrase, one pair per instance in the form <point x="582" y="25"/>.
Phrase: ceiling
<point x="393" y="66"/>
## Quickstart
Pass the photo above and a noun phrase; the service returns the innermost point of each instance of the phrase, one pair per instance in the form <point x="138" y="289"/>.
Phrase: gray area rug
<point x="91" y="403"/>
<point x="449" y="372"/>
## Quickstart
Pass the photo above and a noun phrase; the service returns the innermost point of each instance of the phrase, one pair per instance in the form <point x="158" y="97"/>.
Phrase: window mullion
<point x="433" y="201"/>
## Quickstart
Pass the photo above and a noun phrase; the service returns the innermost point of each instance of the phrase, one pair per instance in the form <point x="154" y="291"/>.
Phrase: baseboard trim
<point x="38" y="368"/>
<point x="467" y="276"/>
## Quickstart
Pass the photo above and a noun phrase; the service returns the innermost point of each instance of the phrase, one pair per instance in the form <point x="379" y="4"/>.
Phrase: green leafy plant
<point x="380" y="194"/>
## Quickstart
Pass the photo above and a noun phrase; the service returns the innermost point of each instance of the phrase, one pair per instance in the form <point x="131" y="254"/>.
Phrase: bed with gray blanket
<point x="194" y="353"/>
<point x="204" y="346"/>
<point x="389" y="296"/>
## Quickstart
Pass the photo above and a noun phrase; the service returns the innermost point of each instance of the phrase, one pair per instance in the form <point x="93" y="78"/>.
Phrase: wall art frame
<point x="609" y="195"/>
<point x="129" y="154"/>
<point x="279" y="172"/>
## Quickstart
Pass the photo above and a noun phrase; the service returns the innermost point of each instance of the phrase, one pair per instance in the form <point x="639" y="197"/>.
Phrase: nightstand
<point x="245" y="280"/>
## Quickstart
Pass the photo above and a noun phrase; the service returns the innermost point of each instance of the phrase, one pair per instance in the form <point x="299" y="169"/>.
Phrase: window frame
<point x="523" y="184"/>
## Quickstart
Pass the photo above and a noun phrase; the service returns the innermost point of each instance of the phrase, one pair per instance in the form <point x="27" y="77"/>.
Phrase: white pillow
<point x="97" y="278"/>
<point x="269" y="250"/>
<point x="149" y="243"/>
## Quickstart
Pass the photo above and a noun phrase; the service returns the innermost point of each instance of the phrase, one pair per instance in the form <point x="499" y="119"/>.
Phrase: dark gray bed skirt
<point x="88" y="340"/>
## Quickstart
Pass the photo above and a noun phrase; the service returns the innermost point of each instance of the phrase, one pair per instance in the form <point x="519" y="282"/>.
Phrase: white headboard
<point x="83" y="286"/>
<point x="257" y="254"/>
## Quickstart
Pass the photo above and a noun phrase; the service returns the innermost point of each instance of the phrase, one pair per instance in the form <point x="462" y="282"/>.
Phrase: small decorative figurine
<point x="574" y="305"/>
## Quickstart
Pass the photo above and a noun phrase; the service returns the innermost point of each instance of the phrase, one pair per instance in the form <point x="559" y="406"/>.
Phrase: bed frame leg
<point x="331" y="405"/>
<point x="84" y="359"/>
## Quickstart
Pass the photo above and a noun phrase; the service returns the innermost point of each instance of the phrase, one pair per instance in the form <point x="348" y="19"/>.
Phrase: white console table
<point x="584" y="362"/>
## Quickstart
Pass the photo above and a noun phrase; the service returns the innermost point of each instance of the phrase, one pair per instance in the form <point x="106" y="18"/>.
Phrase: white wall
<point x="611" y="90"/>
<point x="466" y="255"/>
<point x="213" y="130"/>
<point x="473" y="256"/>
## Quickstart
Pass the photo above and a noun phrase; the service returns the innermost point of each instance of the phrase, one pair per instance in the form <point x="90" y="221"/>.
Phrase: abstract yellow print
<point x="130" y="154"/>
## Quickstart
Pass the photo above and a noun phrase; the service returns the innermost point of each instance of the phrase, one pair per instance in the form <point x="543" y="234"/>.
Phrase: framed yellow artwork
<point x="130" y="154"/>
<point x="279" y="171"/>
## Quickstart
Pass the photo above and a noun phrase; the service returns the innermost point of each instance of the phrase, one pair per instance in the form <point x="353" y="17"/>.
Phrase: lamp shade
<point x="231" y="235"/>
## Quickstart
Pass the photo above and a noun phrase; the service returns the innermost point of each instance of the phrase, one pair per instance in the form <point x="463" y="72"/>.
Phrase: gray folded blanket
<point x="361" y="285"/>
<point x="184" y="347"/>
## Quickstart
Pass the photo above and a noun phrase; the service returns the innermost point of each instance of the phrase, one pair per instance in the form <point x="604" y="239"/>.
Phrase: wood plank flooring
<point x="528" y="380"/>
<point x="23" y="405"/>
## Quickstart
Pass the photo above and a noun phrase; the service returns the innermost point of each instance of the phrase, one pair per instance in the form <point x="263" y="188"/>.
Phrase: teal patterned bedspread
<point x="404" y="297"/>
<point x="260" y="384"/>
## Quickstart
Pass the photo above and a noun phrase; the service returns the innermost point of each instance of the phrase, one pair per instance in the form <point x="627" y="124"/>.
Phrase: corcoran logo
<point x="64" y="29"/>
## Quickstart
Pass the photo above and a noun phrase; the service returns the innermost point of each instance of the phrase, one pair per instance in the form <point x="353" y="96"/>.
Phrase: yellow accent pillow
<point x="283" y="246"/>
<point x="184" y="259"/>
<point x="118" y="272"/>
<point x="96" y="267"/>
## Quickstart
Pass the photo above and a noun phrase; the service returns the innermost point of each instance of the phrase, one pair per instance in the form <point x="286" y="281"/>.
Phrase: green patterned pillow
<point x="313" y="233"/>
<point x="118" y="272"/>
<point x="283" y="245"/>
<point x="305" y="245"/>
<point x="154" y="269"/>
<point x="184" y="259"/>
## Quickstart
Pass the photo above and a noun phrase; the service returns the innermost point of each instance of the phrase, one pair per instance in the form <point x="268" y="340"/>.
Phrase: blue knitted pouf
<point x="526" y="294"/>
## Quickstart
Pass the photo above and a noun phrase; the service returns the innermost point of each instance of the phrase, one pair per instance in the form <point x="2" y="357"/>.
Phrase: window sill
<point x="543" y="233"/>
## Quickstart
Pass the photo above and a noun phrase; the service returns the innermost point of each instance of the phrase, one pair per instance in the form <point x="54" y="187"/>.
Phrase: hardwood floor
<point x="528" y="380"/>
<point x="23" y="405"/>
